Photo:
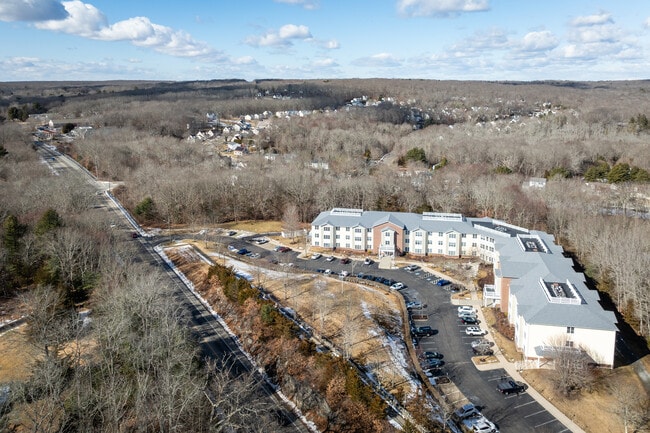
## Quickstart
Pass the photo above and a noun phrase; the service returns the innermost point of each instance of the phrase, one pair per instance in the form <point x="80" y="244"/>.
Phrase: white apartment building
<point x="545" y="300"/>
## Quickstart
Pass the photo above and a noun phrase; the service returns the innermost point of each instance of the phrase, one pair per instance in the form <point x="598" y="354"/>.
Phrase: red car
<point x="345" y="261"/>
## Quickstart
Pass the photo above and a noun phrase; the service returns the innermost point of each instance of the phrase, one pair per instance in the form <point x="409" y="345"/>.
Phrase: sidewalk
<point x="512" y="371"/>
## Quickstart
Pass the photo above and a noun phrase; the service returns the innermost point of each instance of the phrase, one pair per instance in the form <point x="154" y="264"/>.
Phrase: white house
<point x="545" y="299"/>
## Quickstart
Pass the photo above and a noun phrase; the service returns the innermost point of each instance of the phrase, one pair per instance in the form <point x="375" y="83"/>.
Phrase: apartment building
<point x="545" y="299"/>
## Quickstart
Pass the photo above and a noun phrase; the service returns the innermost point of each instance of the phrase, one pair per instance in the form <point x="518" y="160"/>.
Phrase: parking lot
<point x="511" y="413"/>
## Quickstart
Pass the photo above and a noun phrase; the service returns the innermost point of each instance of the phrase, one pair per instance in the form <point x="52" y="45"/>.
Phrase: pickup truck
<point x="511" y="387"/>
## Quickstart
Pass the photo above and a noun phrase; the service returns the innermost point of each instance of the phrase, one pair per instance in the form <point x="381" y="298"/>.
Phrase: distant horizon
<point x="457" y="40"/>
<point x="153" y="80"/>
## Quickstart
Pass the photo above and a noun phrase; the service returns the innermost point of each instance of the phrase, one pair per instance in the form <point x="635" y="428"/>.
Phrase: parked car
<point x="482" y="342"/>
<point x="243" y="252"/>
<point x="367" y="261"/>
<point x="135" y="235"/>
<point x="397" y="286"/>
<point x="466" y="411"/>
<point x="316" y="256"/>
<point x="232" y="233"/>
<point x="330" y="258"/>
<point x="475" y="330"/>
<point x="424" y="331"/>
<point x="510" y="386"/>
<point x="442" y="282"/>
<point x="466" y="309"/>
<point x="433" y="363"/>
<point x="327" y="272"/>
<point x="433" y="355"/>
<point x="345" y="260"/>
<point x="260" y="241"/>
<point x="415" y="305"/>
<point x="482" y="351"/>
<point x="469" y="320"/>
<point x="344" y="274"/>
<point x="254" y="255"/>
<point x="411" y="268"/>
<point x="484" y="426"/>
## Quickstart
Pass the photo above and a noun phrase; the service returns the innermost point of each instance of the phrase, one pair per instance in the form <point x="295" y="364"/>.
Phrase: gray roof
<point x="524" y="267"/>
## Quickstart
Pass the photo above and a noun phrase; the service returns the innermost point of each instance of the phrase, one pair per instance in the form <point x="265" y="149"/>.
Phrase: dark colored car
<point x="433" y="363"/>
<point x="424" y="331"/>
<point x="469" y="320"/>
<point x="511" y="387"/>
<point x="345" y="261"/>
<point x="243" y="252"/>
<point x="443" y="282"/>
<point x="433" y="355"/>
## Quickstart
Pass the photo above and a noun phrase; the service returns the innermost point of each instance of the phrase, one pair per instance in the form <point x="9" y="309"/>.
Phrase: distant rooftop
<point x="500" y="228"/>
<point x="346" y="212"/>
<point x="532" y="243"/>
<point x="561" y="293"/>
<point x="440" y="216"/>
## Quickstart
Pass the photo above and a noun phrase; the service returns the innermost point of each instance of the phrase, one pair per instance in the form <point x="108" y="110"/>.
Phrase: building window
<point x="418" y="242"/>
<point x="474" y="236"/>
<point x="387" y="243"/>
<point x="569" y="344"/>
<point x="347" y="229"/>
<point x="474" y="244"/>
<point x="452" y="244"/>
<point x="441" y="234"/>
<point x="439" y="250"/>
<point x="337" y="228"/>
<point x="338" y="236"/>
<point x="418" y="234"/>
<point x="347" y="245"/>
<point x="463" y="235"/>
<point x="570" y="330"/>
<point x="440" y="242"/>
<point x="406" y="249"/>
<point x="357" y="238"/>
<point x="326" y="236"/>
<point x="326" y="229"/>
<point x="406" y="232"/>
<point x="386" y="234"/>
<point x="369" y="230"/>
<point x="316" y="235"/>
<point x="347" y="237"/>
<point x="357" y="230"/>
<point x="316" y="243"/>
<point x="452" y="235"/>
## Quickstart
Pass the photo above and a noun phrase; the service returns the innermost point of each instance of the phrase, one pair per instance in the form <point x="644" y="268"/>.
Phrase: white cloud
<point x="31" y="10"/>
<point x="82" y="19"/>
<point x="539" y="41"/>
<point x="85" y="20"/>
<point x="325" y="63"/>
<point x="29" y="68"/>
<point x="425" y="8"/>
<point x="281" y="38"/>
<point x="380" y="60"/>
<point x="307" y="4"/>
<point x="292" y="31"/>
<point x="592" y="20"/>
<point x="646" y="23"/>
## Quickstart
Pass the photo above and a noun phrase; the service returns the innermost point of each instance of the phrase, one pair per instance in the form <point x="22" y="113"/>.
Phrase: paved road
<point x="512" y="414"/>
<point x="214" y="341"/>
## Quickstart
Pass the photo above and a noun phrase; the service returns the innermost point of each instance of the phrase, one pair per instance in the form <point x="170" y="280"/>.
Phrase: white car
<point x="397" y="286"/>
<point x="466" y="309"/>
<point x="330" y="258"/>
<point x="415" y="305"/>
<point x="484" y="426"/>
<point x="344" y="274"/>
<point x="316" y="256"/>
<point x="367" y="261"/>
<point x="475" y="330"/>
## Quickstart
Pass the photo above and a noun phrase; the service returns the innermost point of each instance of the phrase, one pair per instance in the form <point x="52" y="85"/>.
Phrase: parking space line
<point x="566" y="429"/>
<point x="535" y="413"/>
<point x="547" y="422"/>
<point x="524" y="404"/>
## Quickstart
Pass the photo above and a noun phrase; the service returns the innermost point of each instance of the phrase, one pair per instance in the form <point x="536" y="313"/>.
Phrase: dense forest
<point x="404" y="145"/>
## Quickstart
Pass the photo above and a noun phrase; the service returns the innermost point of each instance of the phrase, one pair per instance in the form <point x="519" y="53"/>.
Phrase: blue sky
<point x="430" y="39"/>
